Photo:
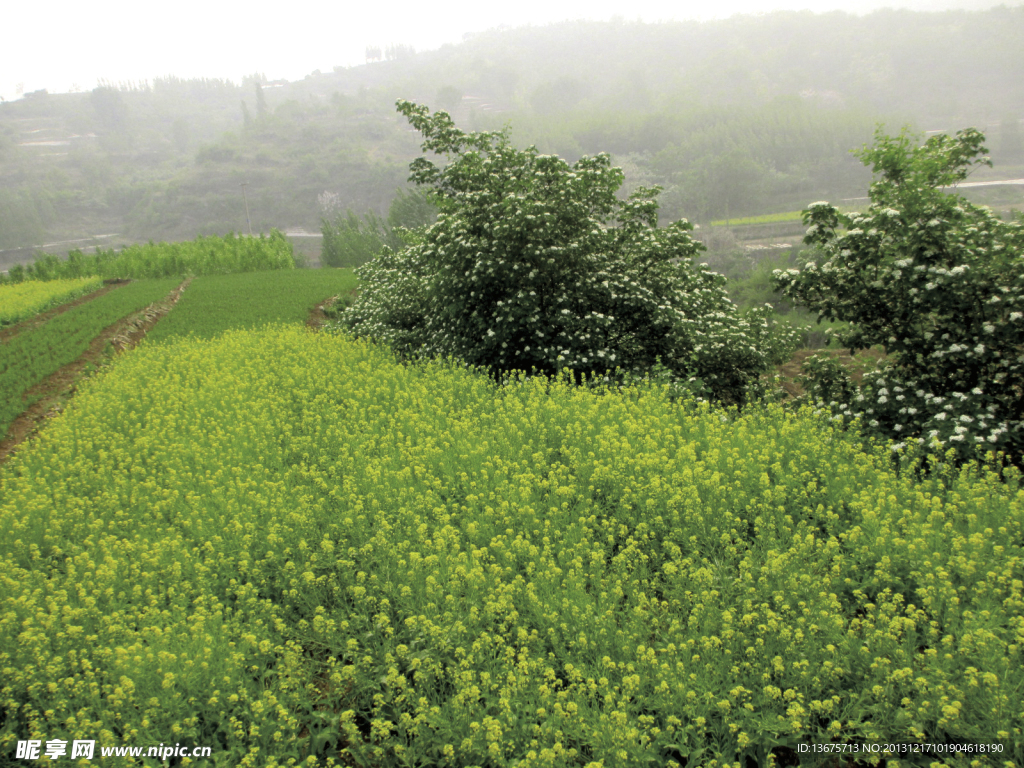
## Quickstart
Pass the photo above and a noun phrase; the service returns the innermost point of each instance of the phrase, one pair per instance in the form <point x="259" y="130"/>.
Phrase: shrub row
<point x="202" y="256"/>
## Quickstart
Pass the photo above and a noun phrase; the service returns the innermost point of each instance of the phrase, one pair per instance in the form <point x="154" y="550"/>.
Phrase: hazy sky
<point x="62" y="45"/>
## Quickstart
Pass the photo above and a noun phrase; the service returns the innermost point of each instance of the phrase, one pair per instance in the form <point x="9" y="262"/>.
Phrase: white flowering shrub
<point x="535" y="265"/>
<point x="936" y="280"/>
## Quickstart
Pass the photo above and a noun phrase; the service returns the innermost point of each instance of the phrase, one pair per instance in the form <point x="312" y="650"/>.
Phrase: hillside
<point x="742" y="116"/>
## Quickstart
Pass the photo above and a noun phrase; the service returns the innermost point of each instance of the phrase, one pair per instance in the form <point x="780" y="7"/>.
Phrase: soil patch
<point x="60" y="386"/>
<point x="317" y="317"/>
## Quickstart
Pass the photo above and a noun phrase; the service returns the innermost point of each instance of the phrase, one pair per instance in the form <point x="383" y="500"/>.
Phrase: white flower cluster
<point x="939" y="283"/>
<point x="524" y="273"/>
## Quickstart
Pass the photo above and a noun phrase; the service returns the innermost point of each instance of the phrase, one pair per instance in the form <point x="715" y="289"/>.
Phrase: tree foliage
<point x="351" y="241"/>
<point x="536" y="265"/>
<point x="936" y="280"/>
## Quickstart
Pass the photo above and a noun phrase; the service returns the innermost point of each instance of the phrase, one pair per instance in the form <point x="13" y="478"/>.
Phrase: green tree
<point x="559" y="95"/>
<point x="939" y="283"/>
<point x="25" y="216"/>
<point x="399" y="51"/>
<point x="524" y="269"/>
<point x="110" y="107"/>
<point x="182" y="134"/>
<point x="350" y="240"/>
<point x="411" y="209"/>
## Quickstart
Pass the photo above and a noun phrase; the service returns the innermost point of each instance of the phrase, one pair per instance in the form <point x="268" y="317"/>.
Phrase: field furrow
<point x="29" y="359"/>
<point x="19" y="301"/>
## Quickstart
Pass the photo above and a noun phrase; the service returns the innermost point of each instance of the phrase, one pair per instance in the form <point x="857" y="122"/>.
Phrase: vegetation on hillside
<point x="735" y="117"/>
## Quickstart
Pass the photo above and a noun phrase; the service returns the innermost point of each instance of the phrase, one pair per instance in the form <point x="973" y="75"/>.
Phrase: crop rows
<point x="31" y="356"/>
<point x="215" y="303"/>
<point x="23" y="300"/>
<point x="285" y="545"/>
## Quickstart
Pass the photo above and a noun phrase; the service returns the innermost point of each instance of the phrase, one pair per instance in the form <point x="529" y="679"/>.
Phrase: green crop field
<point x="19" y="301"/>
<point x="29" y="357"/>
<point x="767" y="218"/>
<point x="215" y="303"/>
<point x="286" y="546"/>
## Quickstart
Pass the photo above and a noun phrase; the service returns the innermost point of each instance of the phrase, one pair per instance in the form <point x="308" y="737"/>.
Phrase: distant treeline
<point x="723" y="161"/>
<point x="742" y="116"/>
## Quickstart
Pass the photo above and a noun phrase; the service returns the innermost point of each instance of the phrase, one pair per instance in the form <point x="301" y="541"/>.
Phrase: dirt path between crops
<point x="36" y="320"/>
<point x="58" y="388"/>
<point x="317" y="319"/>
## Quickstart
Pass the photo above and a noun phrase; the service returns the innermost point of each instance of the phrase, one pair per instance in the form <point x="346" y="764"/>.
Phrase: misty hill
<point x="746" y="115"/>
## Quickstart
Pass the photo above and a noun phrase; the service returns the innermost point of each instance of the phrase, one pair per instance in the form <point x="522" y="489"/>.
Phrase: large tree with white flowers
<point x="536" y="265"/>
<point x="939" y="283"/>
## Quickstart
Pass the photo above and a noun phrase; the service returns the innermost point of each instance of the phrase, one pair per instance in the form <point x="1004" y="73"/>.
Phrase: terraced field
<point x="41" y="359"/>
<point x="28" y="358"/>
<point x="215" y="303"/>
<point x="20" y="301"/>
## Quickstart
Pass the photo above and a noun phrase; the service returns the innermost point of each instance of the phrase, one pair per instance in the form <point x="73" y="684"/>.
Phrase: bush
<point x="523" y="270"/>
<point x="936" y="280"/>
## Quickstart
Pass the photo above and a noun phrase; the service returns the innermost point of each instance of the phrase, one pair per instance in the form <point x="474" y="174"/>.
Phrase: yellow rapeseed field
<point x="21" y="300"/>
<point x="291" y="548"/>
